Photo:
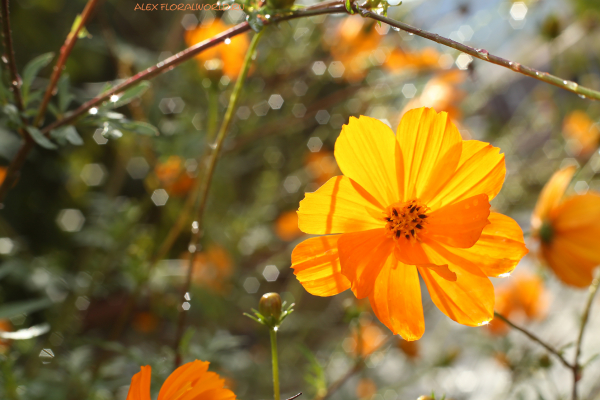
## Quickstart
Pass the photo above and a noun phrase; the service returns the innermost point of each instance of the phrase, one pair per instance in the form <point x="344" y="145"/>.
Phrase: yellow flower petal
<point x="551" y="195"/>
<point x="498" y="250"/>
<point x="459" y="224"/>
<point x="431" y="147"/>
<point x="366" y="152"/>
<point x="316" y="264"/>
<point x="575" y="213"/>
<point x="481" y="169"/>
<point x="338" y="206"/>
<point x="470" y="299"/>
<point x="362" y="255"/>
<point x="396" y="299"/>
<point x="564" y="258"/>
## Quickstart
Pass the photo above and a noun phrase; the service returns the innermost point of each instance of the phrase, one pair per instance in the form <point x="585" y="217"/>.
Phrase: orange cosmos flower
<point x="568" y="230"/>
<point x="321" y="165"/>
<point x="212" y="267"/>
<point x="428" y="58"/>
<point x="412" y="204"/>
<point x="366" y="389"/>
<point x="173" y="176"/>
<point x="286" y="226"/>
<point x="227" y="58"/>
<point x="441" y="93"/>
<point x="2" y="174"/>
<point x="355" y="41"/>
<point x="524" y="296"/>
<point x="191" y="381"/>
<point x="581" y="133"/>
<point x="369" y="339"/>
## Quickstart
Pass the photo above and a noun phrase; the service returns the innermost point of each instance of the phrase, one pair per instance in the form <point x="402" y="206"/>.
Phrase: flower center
<point x="546" y="232"/>
<point x="406" y="219"/>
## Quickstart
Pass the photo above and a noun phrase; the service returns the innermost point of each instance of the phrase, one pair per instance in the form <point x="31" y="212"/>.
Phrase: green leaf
<point x="348" y="4"/>
<point x="33" y="68"/>
<point x="68" y="133"/>
<point x="141" y="128"/>
<point x="23" y="307"/>
<point x="12" y="112"/>
<point x="40" y="139"/>
<point x="129" y="95"/>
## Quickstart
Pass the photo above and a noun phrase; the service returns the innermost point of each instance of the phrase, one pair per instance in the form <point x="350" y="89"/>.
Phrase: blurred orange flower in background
<point x="321" y="165"/>
<point x="227" y="58"/>
<point x="410" y="204"/>
<point x="173" y="176"/>
<point x="366" y="388"/>
<point x="568" y="230"/>
<point x="366" y="338"/>
<point x="442" y="94"/>
<point x="581" y="133"/>
<point x="428" y="58"/>
<point x="355" y="40"/>
<point x="145" y="322"/>
<point x="5" y="326"/>
<point x="522" y="297"/>
<point x="191" y="381"/>
<point x="410" y="349"/>
<point x="212" y="268"/>
<point x="2" y="174"/>
<point x="286" y="226"/>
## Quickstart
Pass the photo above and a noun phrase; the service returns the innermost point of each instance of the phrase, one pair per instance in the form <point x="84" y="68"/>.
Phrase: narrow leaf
<point x="33" y="68"/>
<point x="40" y="139"/>
<point x="141" y="128"/>
<point x="129" y="95"/>
<point x="23" y="307"/>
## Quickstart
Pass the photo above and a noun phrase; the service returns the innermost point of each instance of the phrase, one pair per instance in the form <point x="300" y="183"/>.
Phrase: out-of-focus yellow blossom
<point x="523" y="297"/>
<point x="568" y="230"/>
<point x="581" y="133"/>
<point x="173" y="176"/>
<point x="226" y="57"/>
<point x="286" y="226"/>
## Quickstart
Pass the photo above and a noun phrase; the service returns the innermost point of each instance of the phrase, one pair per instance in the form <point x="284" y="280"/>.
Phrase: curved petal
<point x="551" y="195"/>
<point x="396" y="299"/>
<point x="366" y="152"/>
<point x="498" y="250"/>
<point x="209" y="386"/>
<point x="470" y="299"/>
<point x="576" y="213"/>
<point x="566" y="262"/>
<point x="362" y="255"/>
<point x="140" y="384"/>
<point x="339" y="206"/>
<point x="459" y="224"/>
<point x="316" y="264"/>
<point x="182" y="379"/>
<point x="431" y="147"/>
<point x="481" y="169"/>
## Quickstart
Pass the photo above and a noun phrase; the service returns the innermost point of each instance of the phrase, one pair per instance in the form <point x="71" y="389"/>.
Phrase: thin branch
<point x="65" y="51"/>
<point x="584" y="319"/>
<point x="205" y="186"/>
<point x="484" y="55"/>
<point x="9" y="57"/>
<point x="536" y="339"/>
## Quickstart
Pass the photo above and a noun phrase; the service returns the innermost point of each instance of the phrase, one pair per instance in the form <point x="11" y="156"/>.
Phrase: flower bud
<point x="270" y="306"/>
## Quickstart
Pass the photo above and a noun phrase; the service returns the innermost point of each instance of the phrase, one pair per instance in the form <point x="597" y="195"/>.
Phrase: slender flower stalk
<point x="65" y="51"/>
<point x="537" y="340"/>
<point x="205" y="185"/>
<point x="584" y="319"/>
<point x="275" y="362"/>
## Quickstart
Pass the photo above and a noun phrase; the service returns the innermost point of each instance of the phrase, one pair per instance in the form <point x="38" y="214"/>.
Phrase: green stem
<point x="584" y="319"/>
<point x="273" y="334"/>
<point x="205" y="186"/>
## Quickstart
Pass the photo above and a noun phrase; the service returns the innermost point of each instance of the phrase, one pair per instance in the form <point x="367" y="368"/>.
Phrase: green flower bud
<point x="270" y="306"/>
